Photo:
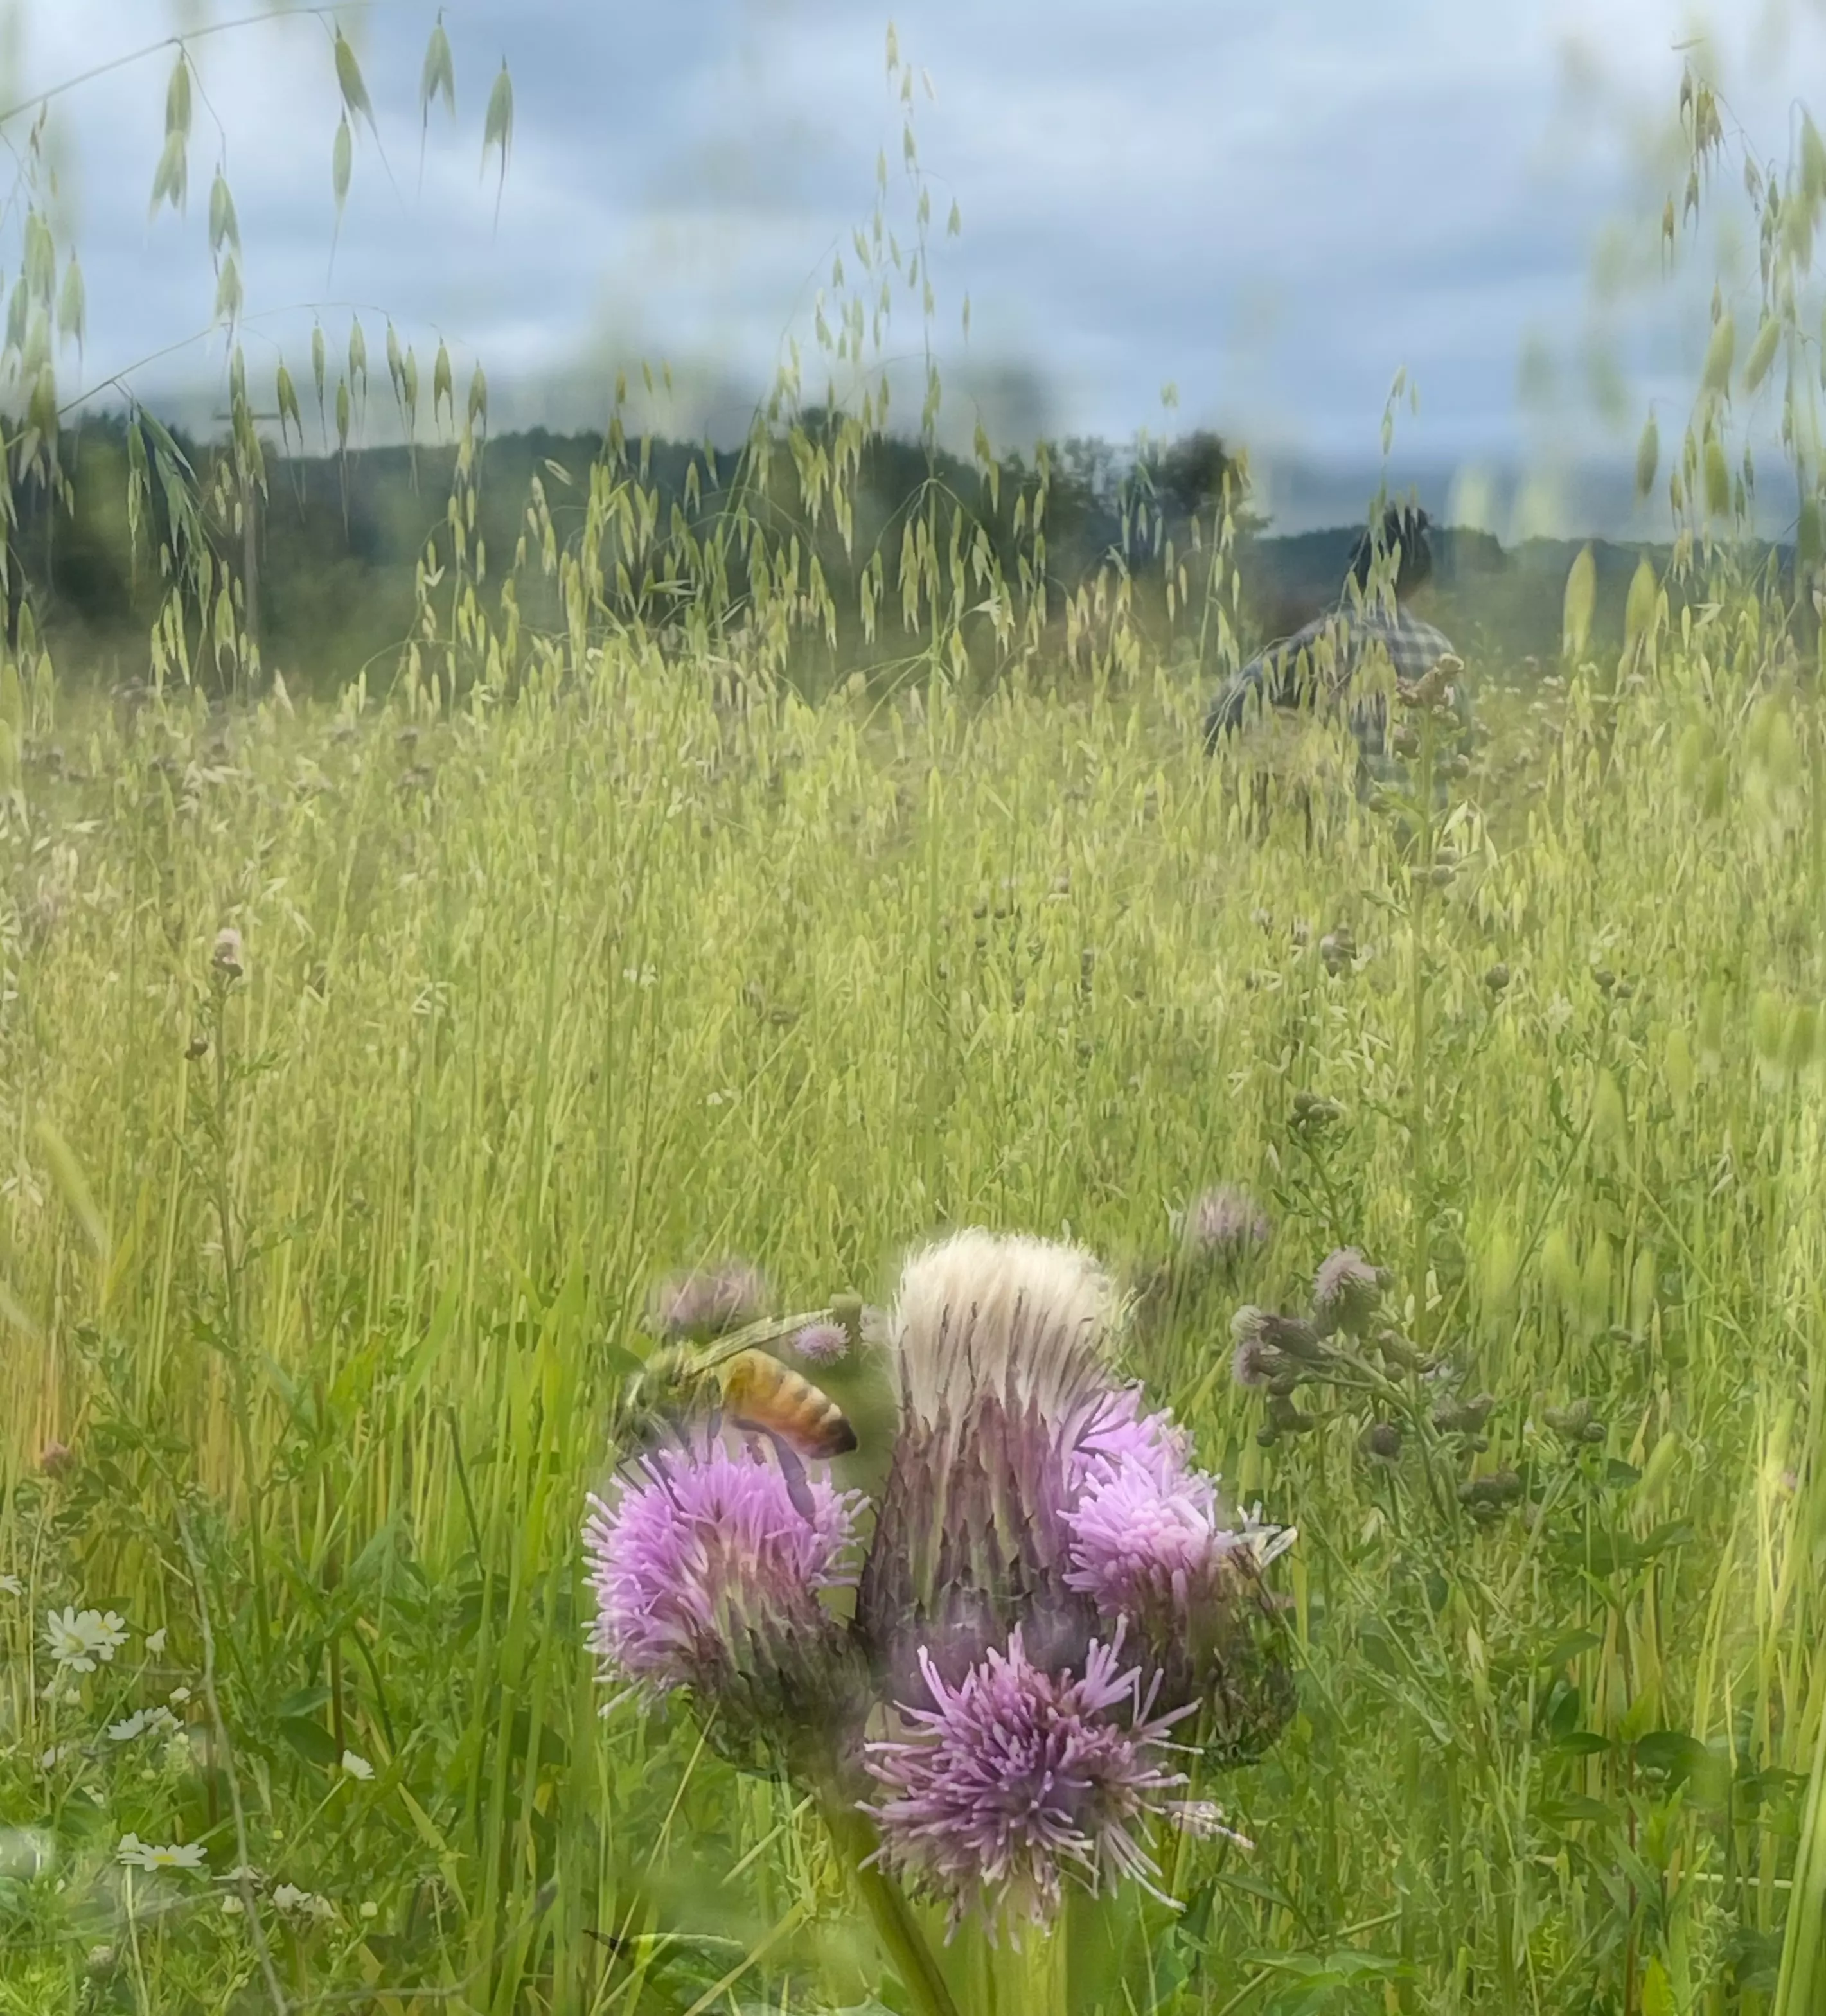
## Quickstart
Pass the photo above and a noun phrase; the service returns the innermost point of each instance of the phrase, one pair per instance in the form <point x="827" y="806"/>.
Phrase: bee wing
<point x="754" y="1336"/>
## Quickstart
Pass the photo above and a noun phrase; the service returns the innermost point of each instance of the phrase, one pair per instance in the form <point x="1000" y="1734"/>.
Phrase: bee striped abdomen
<point x="758" y="1392"/>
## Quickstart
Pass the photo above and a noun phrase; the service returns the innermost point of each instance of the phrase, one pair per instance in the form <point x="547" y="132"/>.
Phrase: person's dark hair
<point x="1405" y="524"/>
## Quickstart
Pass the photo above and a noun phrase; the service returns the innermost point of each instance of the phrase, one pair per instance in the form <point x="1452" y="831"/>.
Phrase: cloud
<point x="1273" y="210"/>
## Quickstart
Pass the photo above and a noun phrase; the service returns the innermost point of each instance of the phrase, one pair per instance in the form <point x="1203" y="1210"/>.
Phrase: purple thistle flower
<point x="1150" y="1546"/>
<point x="823" y="1343"/>
<point x="1223" y="1224"/>
<point x="1148" y="1541"/>
<point x="1113" y="1437"/>
<point x="707" y="1300"/>
<point x="1346" y="1290"/>
<point x="1018" y="1777"/>
<point x="707" y="1573"/>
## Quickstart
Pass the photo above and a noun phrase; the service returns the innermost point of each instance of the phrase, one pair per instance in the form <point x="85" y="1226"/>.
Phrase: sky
<point x="1272" y="211"/>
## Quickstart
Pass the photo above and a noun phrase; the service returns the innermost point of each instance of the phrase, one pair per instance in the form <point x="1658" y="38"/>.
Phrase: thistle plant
<point x="1401" y="1398"/>
<point x="1053" y="1617"/>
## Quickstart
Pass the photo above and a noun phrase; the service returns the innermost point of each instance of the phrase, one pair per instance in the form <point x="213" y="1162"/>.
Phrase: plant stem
<point x="895" y="1926"/>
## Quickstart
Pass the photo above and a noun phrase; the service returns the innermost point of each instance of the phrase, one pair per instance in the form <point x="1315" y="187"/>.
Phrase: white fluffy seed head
<point x="1027" y="1319"/>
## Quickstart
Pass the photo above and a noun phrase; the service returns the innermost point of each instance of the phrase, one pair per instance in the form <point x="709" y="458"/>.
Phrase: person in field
<point x="1331" y="662"/>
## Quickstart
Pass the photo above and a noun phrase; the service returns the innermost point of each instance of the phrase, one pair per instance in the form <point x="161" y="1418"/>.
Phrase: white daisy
<point x="357" y="1767"/>
<point x="155" y="1641"/>
<point x="139" y="1854"/>
<point x="10" y="1585"/>
<point x="124" y="1732"/>
<point x="77" y="1638"/>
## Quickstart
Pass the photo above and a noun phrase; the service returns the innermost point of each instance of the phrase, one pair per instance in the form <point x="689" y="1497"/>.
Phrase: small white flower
<point x="155" y="1641"/>
<point x="77" y="1638"/>
<point x="302" y="1903"/>
<point x="124" y="1732"/>
<point x="246" y="1872"/>
<point x="49" y="1759"/>
<point x="10" y="1585"/>
<point x="370" y="1908"/>
<point x="179" y="1696"/>
<point x="232" y="1907"/>
<point x="357" y="1767"/>
<point x="139" y="1854"/>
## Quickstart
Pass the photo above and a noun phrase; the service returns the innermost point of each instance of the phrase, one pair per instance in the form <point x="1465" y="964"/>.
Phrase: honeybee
<point x="759" y="1392"/>
<point x="752" y="1390"/>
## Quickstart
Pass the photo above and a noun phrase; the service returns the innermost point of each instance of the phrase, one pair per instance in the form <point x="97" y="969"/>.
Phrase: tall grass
<point x="593" y="948"/>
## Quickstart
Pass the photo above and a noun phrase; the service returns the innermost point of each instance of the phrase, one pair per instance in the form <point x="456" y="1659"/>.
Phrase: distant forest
<point x="339" y="537"/>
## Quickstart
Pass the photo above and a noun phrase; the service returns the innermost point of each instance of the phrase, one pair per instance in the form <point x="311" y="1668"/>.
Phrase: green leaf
<point x="1648" y="458"/>
<point x="72" y="303"/>
<point x="1813" y="162"/>
<point x="1715" y="377"/>
<point x="227" y="292"/>
<point x="348" y="78"/>
<point x="286" y="399"/>
<point x="498" y="127"/>
<point x="1639" y="610"/>
<point x="170" y="181"/>
<point x="224" y="227"/>
<point x="1581" y="598"/>
<point x="310" y="1739"/>
<point x="73" y="1187"/>
<point x="1718" y="489"/>
<point x="1576" y="1810"/>
<point x="1762" y="353"/>
<point x="177" y="99"/>
<point x="1671" y="1754"/>
<point x="439" y="76"/>
<point x="342" y="161"/>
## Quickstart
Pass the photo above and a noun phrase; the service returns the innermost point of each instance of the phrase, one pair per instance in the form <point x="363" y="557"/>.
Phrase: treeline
<point x="330" y="564"/>
<point x="338" y="536"/>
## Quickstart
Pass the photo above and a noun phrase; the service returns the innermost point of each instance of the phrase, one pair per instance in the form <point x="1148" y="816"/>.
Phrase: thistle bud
<point x="1288" y="1419"/>
<point x="1575" y="1422"/>
<point x="1381" y="1442"/>
<point x="1399" y="1351"/>
<point x="1464" y="1417"/>
<point x="1293" y="1335"/>
<point x="1223" y="1225"/>
<point x="1500" y="1488"/>
<point x="1346" y="1292"/>
<point x="1338" y="950"/>
<point x="228" y="958"/>
<point x="1496" y="980"/>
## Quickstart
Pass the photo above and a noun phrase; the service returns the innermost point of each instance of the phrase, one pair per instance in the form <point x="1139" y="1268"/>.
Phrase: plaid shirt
<point x="1324" y="659"/>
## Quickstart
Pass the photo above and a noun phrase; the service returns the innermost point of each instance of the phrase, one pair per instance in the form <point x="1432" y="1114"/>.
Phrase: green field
<point x="331" y="1285"/>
